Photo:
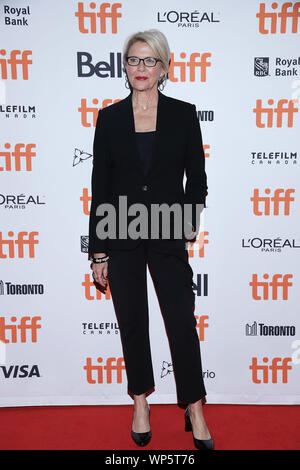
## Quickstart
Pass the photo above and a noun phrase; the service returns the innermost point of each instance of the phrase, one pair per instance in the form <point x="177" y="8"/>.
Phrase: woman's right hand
<point x="100" y="270"/>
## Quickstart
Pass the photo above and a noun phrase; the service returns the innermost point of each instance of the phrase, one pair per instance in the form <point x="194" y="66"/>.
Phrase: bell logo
<point x="269" y="205"/>
<point x="274" y="284"/>
<point x="260" y="373"/>
<point x="9" y="66"/>
<point x="92" y="111"/>
<point x="23" y="239"/>
<point x="18" y="332"/>
<point x="288" y="10"/>
<point x="93" y="22"/>
<point x="191" y="64"/>
<point x="278" y="111"/>
<point x="99" y="374"/>
<point x="12" y="160"/>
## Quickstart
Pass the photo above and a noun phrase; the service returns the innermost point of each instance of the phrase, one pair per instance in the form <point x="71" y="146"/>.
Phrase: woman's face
<point x="150" y="75"/>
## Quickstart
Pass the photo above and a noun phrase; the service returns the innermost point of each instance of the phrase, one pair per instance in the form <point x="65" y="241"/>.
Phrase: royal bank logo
<point x="84" y="243"/>
<point x="260" y="329"/>
<point x="281" y="67"/>
<point x="14" y="16"/>
<point x="261" y="66"/>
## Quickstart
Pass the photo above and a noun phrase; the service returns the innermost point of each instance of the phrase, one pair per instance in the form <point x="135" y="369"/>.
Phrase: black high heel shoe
<point x="141" y="438"/>
<point x="207" y="444"/>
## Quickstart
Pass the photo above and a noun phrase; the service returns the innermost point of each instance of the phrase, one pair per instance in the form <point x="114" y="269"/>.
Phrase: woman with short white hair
<point x="142" y="146"/>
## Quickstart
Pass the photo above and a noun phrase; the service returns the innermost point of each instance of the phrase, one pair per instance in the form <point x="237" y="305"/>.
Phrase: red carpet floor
<point x="233" y="427"/>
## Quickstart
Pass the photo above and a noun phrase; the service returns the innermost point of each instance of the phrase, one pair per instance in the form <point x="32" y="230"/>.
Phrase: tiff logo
<point x="89" y="21"/>
<point x="274" y="285"/>
<point x="12" y="62"/>
<point x="262" y="371"/>
<point x="275" y="113"/>
<point x="99" y="374"/>
<point x="23" y="239"/>
<point x="16" y="155"/>
<point x="270" y="205"/>
<point x="26" y="326"/>
<point x="89" y="114"/>
<point x="2" y="353"/>
<point x="288" y="10"/>
<point x="192" y="64"/>
<point x="89" y="287"/>
<point x="202" y="325"/>
<point x="200" y="242"/>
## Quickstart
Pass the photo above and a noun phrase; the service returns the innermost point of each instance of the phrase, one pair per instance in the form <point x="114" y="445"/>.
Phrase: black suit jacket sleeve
<point x="196" y="180"/>
<point x="100" y="183"/>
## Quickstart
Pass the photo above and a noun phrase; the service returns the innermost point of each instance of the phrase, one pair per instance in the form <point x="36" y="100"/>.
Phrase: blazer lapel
<point x="130" y="127"/>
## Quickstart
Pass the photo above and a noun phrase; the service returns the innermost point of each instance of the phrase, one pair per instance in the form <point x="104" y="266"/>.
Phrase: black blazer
<point x="117" y="169"/>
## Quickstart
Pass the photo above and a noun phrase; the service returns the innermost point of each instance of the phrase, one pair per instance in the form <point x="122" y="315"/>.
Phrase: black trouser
<point x="172" y="276"/>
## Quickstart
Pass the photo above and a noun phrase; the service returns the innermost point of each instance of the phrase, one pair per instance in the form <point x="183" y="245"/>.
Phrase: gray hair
<point x="157" y="41"/>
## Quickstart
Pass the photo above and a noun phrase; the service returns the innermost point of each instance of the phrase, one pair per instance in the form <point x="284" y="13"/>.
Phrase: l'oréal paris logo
<point x="270" y="245"/>
<point x="185" y="19"/>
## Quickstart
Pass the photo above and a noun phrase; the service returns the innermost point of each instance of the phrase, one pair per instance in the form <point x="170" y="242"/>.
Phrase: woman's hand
<point x="100" y="271"/>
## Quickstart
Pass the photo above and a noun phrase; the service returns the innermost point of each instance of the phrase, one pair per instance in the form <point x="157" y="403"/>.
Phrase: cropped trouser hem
<point x="172" y="277"/>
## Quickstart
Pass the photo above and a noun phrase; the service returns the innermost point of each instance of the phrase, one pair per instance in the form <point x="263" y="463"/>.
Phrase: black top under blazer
<point x="117" y="168"/>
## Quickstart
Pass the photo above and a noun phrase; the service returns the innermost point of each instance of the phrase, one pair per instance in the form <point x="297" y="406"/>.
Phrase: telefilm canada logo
<point x="17" y="111"/>
<point x="99" y="329"/>
<point x="271" y="158"/>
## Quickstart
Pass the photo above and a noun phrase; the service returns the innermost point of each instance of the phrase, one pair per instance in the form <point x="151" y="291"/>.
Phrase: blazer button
<point x="145" y="187"/>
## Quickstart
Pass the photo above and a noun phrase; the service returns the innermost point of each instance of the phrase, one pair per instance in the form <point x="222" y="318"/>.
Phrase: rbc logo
<point x="261" y="66"/>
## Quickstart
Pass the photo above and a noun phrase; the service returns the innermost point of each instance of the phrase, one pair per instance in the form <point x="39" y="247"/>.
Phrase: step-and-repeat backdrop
<point x="239" y="63"/>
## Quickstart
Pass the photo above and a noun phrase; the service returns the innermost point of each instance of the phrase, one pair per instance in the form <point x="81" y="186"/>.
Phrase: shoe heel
<point x="188" y="425"/>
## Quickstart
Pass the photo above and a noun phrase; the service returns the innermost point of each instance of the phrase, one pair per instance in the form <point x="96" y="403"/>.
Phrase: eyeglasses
<point x="148" y="61"/>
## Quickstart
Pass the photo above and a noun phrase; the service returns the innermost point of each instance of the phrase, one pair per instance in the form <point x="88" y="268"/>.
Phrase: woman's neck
<point x="145" y="99"/>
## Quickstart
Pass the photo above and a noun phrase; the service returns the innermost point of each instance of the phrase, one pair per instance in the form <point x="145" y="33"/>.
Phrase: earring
<point x="126" y="82"/>
<point x="161" y="86"/>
